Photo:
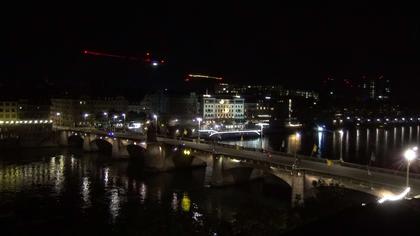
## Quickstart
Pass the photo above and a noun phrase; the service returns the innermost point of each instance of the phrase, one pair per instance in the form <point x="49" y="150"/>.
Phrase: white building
<point x="222" y="108"/>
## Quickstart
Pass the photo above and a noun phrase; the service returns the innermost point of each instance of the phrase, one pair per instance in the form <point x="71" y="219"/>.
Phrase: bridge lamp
<point x="409" y="155"/>
<point x="58" y="114"/>
<point x="199" y="119"/>
<point x="123" y="115"/>
<point x="156" y="120"/>
<point x="105" y="113"/>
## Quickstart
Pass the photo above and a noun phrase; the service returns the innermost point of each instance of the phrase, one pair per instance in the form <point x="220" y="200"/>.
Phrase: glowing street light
<point x="296" y="139"/>
<point x="409" y="155"/>
<point x="58" y="114"/>
<point x="199" y="119"/>
<point x="296" y="164"/>
<point x="341" y="132"/>
<point x="123" y="115"/>
<point x="105" y="113"/>
<point x="156" y="120"/>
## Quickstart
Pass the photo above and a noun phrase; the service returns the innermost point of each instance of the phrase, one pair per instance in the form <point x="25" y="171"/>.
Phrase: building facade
<point x="8" y="110"/>
<point x="83" y="111"/>
<point x="223" y="108"/>
<point x="37" y="109"/>
<point x="171" y="105"/>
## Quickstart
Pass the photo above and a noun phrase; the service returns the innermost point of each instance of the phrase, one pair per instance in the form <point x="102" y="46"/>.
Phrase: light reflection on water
<point x="79" y="188"/>
<point x="355" y="145"/>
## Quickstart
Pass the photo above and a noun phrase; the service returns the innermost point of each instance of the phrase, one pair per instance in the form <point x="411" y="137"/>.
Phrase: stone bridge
<point x="228" y="165"/>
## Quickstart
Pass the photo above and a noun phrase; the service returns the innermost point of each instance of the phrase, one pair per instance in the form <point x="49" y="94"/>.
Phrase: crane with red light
<point x="147" y="58"/>
<point x="198" y="77"/>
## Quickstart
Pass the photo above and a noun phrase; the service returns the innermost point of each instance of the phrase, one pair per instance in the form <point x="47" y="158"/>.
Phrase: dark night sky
<point x="285" y="44"/>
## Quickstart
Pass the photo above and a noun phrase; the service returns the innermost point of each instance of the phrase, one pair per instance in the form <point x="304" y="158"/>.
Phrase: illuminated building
<point x="171" y="105"/>
<point x="8" y="110"/>
<point x="33" y="109"/>
<point x="222" y="108"/>
<point x="76" y="112"/>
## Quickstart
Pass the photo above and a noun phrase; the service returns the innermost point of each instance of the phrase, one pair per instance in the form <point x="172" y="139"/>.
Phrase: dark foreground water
<point x="65" y="192"/>
<point x="68" y="193"/>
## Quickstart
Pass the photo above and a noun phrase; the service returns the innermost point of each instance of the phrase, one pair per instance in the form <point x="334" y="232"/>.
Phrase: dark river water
<point x="65" y="192"/>
<point x="68" y="192"/>
<point x="382" y="147"/>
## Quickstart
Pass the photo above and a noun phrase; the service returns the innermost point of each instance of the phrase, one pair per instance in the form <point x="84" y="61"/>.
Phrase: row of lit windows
<point x="230" y="105"/>
<point x="265" y="108"/>
<point x="7" y="110"/>
<point x="8" y="103"/>
<point x="8" y="116"/>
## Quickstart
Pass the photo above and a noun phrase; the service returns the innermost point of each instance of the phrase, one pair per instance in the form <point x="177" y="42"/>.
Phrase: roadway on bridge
<point x="378" y="178"/>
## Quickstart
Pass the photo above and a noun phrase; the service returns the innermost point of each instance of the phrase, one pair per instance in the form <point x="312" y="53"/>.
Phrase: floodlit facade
<point x="222" y="108"/>
<point x="8" y="110"/>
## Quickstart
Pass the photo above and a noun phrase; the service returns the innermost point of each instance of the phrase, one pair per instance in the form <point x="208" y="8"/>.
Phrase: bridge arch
<point x="75" y="140"/>
<point x="102" y="145"/>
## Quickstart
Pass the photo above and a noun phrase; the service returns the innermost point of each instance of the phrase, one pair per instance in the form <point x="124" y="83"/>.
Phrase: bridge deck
<point x="377" y="176"/>
<point x="341" y="171"/>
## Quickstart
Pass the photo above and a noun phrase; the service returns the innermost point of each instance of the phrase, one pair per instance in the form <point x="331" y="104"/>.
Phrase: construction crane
<point x="198" y="76"/>
<point x="147" y="58"/>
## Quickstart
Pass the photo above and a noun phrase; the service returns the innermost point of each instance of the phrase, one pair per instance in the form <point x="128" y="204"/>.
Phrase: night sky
<point x="252" y="43"/>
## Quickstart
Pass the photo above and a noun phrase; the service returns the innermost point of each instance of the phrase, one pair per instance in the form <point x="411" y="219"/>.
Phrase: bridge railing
<point x="237" y="147"/>
<point x="381" y="170"/>
<point x="309" y="158"/>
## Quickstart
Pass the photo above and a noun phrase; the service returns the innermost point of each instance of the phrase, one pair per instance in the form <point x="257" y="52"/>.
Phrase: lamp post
<point x="297" y="162"/>
<point x="85" y="116"/>
<point x="297" y="136"/>
<point x="58" y="121"/>
<point x="261" y="125"/>
<point x="199" y="119"/>
<point x="115" y="118"/>
<point x="156" y="122"/>
<point x="106" y="117"/>
<point x="123" y="115"/>
<point x="409" y="155"/>
<point x="341" y="132"/>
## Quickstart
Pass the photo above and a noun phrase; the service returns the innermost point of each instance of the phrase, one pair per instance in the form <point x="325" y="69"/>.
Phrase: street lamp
<point x="297" y="162"/>
<point x="199" y="119"/>
<point x="123" y="115"/>
<point x="409" y="155"/>
<point x="156" y="120"/>
<point x="85" y="116"/>
<point x="341" y="132"/>
<point x="297" y="136"/>
<point x="261" y="125"/>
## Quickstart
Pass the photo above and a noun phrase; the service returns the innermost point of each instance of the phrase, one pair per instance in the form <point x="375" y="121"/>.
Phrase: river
<point x="67" y="192"/>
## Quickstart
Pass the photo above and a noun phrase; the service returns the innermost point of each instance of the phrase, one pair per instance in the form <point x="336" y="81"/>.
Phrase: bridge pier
<point x="63" y="139"/>
<point x="298" y="188"/>
<point x="119" y="149"/>
<point x="228" y="171"/>
<point x="160" y="157"/>
<point x="88" y="145"/>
